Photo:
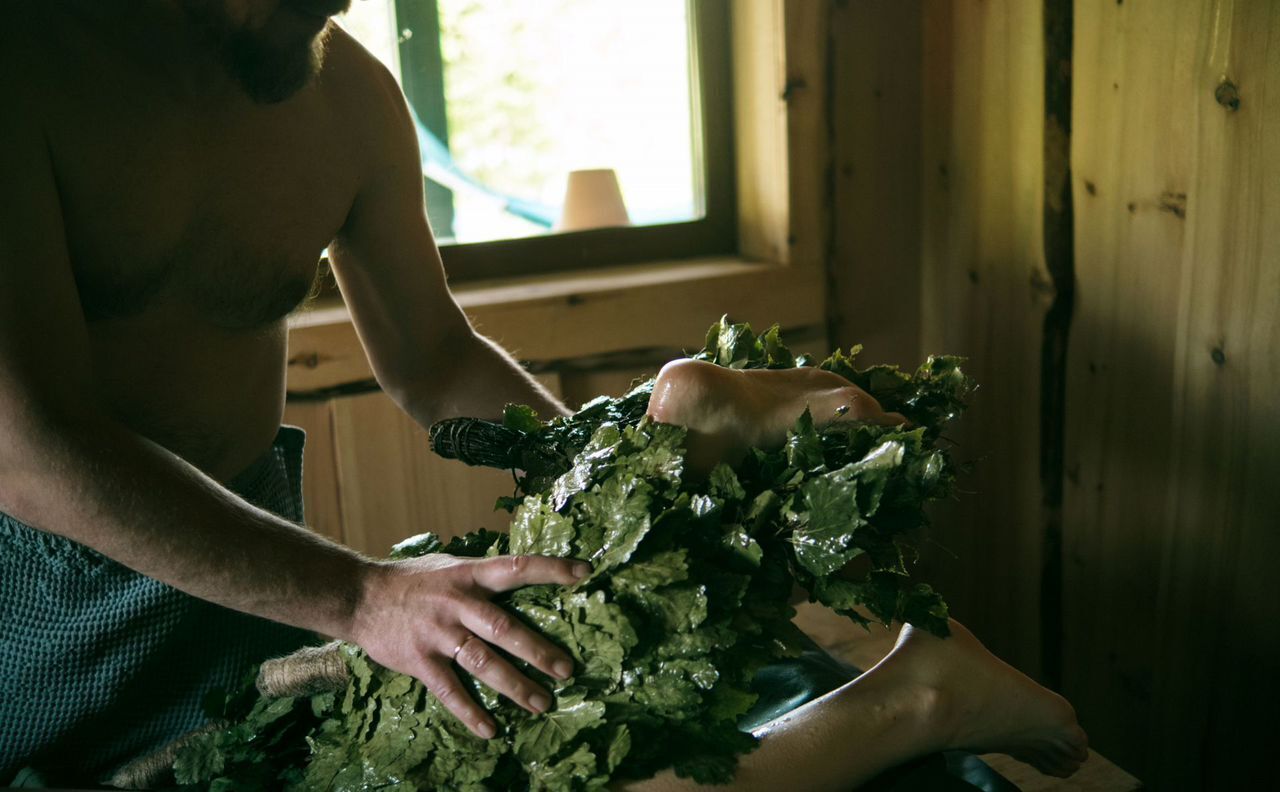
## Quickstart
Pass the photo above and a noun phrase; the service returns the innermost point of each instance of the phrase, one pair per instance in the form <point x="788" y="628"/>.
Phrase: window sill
<point x="556" y="317"/>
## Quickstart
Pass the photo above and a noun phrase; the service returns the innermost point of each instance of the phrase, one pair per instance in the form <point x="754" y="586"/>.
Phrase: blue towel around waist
<point x="99" y="663"/>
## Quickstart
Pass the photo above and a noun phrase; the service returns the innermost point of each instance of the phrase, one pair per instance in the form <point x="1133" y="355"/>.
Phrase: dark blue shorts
<point x="99" y="663"/>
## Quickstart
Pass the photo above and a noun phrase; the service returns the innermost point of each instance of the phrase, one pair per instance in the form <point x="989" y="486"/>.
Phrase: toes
<point x="1036" y="757"/>
<point x="1049" y="765"/>
<point x="1080" y="742"/>
<point x="1067" y="769"/>
<point x="1075" y="745"/>
<point x="1053" y="766"/>
<point x="1063" y="760"/>
<point x="1050" y="758"/>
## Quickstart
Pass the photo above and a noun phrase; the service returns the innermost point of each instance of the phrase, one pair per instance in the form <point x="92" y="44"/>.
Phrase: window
<point x="512" y="97"/>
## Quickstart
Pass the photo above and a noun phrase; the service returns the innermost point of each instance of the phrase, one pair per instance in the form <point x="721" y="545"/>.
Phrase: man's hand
<point x="421" y="615"/>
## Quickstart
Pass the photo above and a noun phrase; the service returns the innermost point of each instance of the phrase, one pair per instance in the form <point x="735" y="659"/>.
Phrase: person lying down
<point x="700" y="499"/>
<point x="925" y="694"/>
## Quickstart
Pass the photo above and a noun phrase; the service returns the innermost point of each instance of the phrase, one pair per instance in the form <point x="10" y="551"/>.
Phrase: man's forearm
<point x="479" y="380"/>
<point x="102" y="485"/>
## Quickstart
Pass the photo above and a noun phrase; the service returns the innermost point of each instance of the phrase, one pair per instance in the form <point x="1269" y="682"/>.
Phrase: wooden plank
<point x="877" y="137"/>
<point x="583" y="386"/>
<point x="984" y="295"/>
<point x="1173" y="424"/>
<point x="760" y="129"/>
<point x="808" y="142"/>
<point x="320" y="494"/>
<point x="547" y="319"/>
<point x="1127" y="96"/>
<point x="1097" y="774"/>
<point x="392" y="486"/>
<point x="781" y="137"/>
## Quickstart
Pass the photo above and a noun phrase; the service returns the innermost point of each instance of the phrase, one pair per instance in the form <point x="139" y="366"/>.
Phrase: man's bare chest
<point x="220" y="214"/>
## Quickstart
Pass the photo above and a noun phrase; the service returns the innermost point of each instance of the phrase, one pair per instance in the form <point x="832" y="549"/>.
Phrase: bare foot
<point x="984" y="705"/>
<point x="728" y="411"/>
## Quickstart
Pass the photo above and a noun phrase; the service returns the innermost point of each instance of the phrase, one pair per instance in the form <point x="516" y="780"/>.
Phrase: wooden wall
<point x="1174" y="421"/>
<point x="371" y="479"/>
<point x="938" y="129"/>
<point x="984" y="295"/>
<point x="875" y="65"/>
<point x="1165" y="634"/>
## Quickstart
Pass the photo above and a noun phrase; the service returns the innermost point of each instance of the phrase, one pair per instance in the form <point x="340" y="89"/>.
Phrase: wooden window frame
<point x="778" y="272"/>
<point x="714" y="233"/>
<point x="422" y="75"/>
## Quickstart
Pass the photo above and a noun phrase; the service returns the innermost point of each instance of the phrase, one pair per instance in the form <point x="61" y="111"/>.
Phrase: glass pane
<point x="373" y="24"/>
<point x="536" y="90"/>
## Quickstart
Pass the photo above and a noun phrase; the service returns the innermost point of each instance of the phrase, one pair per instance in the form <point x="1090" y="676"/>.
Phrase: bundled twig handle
<point x="476" y="442"/>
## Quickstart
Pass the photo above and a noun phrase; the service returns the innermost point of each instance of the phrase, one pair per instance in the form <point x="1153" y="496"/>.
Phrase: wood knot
<point x="792" y="85"/>
<point x="309" y="360"/>
<point x="1090" y="188"/>
<point x="574" y="299"/>
<point x="1219" y="357"/>
<point x="1041" y="284"/>
<point x="1227" y="95"/>
<point x="1174" y="203"/>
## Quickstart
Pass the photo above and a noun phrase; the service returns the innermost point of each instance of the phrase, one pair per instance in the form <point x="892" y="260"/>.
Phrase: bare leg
<point x="928" y="694"/>
<point x="864" y="647"/>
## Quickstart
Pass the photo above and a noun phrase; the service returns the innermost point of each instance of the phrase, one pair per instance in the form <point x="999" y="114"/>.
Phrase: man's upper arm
<point x="44" y="346"/>
<point x="385" y="258"/>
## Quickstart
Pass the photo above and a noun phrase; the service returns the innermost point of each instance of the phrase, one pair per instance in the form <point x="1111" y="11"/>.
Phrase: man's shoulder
<point x="357" y="82"/>
<point x="367" y="101"/>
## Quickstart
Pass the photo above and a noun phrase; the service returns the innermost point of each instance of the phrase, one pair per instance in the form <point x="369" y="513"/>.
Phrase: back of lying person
<point x="171" y="171"/>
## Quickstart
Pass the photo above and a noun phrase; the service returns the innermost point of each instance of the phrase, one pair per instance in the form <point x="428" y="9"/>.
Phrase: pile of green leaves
<point x="689" y="596"/>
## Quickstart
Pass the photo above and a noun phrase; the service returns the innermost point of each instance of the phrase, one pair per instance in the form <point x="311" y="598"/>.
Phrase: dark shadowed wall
<point x="1118" y="542"/>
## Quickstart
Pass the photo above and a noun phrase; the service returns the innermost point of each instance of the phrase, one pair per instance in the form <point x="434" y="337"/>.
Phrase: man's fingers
<point x="444" y="685"/>
<point x="504" y="573"/>
<point x="498" y="627"/>
<point x="485" y="664"/>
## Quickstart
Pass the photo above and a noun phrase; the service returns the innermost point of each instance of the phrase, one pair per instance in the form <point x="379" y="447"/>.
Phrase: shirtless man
<point x="170" y="171"/>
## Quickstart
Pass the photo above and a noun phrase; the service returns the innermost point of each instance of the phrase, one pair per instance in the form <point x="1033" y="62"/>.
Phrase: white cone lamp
<point x="592" y="199"/>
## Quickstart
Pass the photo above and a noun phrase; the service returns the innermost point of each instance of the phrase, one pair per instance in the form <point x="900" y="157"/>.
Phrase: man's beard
<point x="271" y="73"/>
<point x="269" y="64"/>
